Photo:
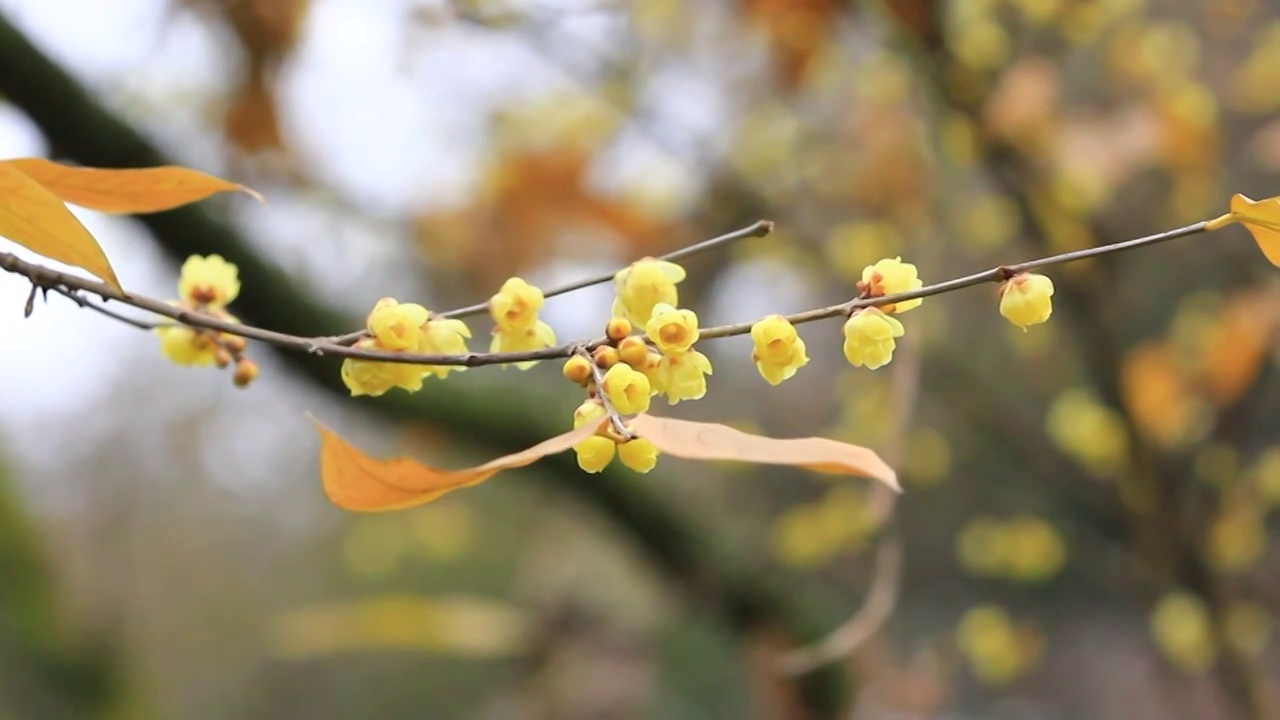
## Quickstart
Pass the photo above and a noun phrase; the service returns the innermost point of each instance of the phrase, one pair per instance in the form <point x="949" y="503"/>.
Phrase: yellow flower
<point x="778" y="351"/>
<point x="446" y="337"/>
<point x="653" y="370"/>
<point x="627" y="389"/>
<point x="638" y="454"/>
<point x="516" y="305"/>
<point x="396" y="326"/>
<point x="589" y="410"/>
<point x="373" y="377"/>
<point x="187" y="346"/>
<point x="671" y="329"/>
<point x="891" y="276"/>
<point x="1183" y="631"/>
<point x="642" y="286"/>
<point x="869" y="338"/>
<point x="539" y="336"/>
<point x="1025" y="299"/>
<point x="683" y="375"/>
<point x="210" y="281"/>
<point x="595" y="453"/>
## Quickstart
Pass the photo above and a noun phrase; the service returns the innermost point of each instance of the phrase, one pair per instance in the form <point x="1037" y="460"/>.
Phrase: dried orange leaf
<point x="711" y="441"/>
<point x="36" y="219"/>
<point x="134" y="190"/>
<point x="1262" y="219"/>
<point x="354" y="481"/>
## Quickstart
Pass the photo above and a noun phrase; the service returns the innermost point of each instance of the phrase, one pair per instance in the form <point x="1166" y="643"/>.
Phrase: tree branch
<point x="748" y="602"/>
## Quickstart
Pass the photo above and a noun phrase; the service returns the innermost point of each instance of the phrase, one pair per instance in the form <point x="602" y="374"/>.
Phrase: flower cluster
<point x="871" y="333"/>
<point x="515" y="317"/>
<point x="596" y="452"/>
<point x="396" y="327"/>
<point x="207" y="285"/>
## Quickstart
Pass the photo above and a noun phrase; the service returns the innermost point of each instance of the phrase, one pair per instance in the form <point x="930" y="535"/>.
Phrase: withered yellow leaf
<point x="1262" y="219"/>
<point x="354" y="481"/>
<point x="36" y="219"/>
<point x="133" y="190"/>
<point x="711" y="441"/>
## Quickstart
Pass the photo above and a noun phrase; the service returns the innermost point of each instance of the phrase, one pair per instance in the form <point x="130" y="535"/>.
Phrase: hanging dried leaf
<point x="135" y="190"/>
<point x="354" y="481"/>
<point x="36" y="219"/>
<point x="1262" y="219"/>
<point x="711" y="441"/>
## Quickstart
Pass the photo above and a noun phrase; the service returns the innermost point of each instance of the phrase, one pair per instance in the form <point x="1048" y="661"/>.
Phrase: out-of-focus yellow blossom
<point x="638" y="454"/>
<point x="538" y="336"/>
<point x="595" y="453"/>
<point x="1266" y="475"/>
<point x="1035" y="551"/>
<point x="778" y="350"/>
<point x="395" y="325"/>
<point x="891" y="276"/>
<point x="1236" y="540"/>
<point x="627" y="389"/>
<point x="799" y="540"/>
<point x="683" y="375"/>
<point x="673" y="330"/>
<point x="1181" y="628"/>
<point x="981" y="546"/>
<point x="870" y="338"/>
<point x="634" y="351"/>
<point x="1089" y="431"/>
<point x="516" y="306"/>
<point x="374" y="377"/>
<point x="208" y="282"/>
<point x="577" y="369"/>
<point x="246" y="371"/>
<point x="187" y="346"/>
<point x="617" y="329"/>
<point x="991" y="644"/>
<point x="643" y="285"/>
<point x="1247" y="627"/>
<point x="1026" y="299"/>
<point x="445" y="336"/>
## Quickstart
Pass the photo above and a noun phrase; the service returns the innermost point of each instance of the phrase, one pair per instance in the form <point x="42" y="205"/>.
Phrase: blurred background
<point x="1084" y="530"/>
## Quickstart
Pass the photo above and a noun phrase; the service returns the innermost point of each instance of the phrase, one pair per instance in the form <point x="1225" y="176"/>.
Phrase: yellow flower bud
<point x="627" y="389"/>
<point x="870" y="338"/>
<point x="605" y="357"/>
<point x="638" y="454"/>
<point x="396" y="326"/>
<point x="445" y="336"/>
<point x="617" y="328"/>
<point x="1183" y="631"/>
<point x="1025" y="299"/>
<point x="642" y="286"/>
<point x="595" y="453"/>
<point x="589" y="410"/>
<point x="209" y="282"/>
<point x="683" y="375"/>
<point x="246" y="371"/>
<point x="577" y="369"/>
<point x="890" y="277"/>
<point x="671" y="329"/>
<point x="634" y="351"/>
<point x="778" y="350"/>
<point x="516" y="306"/>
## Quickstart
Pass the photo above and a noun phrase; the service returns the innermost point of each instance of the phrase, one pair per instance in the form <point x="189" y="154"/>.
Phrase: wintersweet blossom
<point x="627" y="389"/>
<point x="638" y="454"/>
<point x="208" y="282"/>
<point x="515" y="306"/>
<point x="684" y="375"/>
<point x="376" y="377"/>
<point x="778" y="351"/>
<point x="870" y="337"/>
<point x="891" y="276"/>
<point x="643" y="285"/>
<point x="445" y="336"/>
<point x="1026" y="299"/>
<point x="673" y="330"/>
<point x="395" y="325"/>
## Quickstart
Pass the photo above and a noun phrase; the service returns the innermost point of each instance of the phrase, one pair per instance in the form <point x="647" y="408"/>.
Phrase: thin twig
<point x="84" y="302"/>
<point x="879" y="605"/>
<point x="760" y="228"/>
<point x="49" y="278"/>
<point x="615" y="418"/>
